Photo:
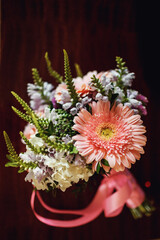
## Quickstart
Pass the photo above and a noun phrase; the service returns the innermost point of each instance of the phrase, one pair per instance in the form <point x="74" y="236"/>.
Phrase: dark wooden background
<point x="93" y="33"/>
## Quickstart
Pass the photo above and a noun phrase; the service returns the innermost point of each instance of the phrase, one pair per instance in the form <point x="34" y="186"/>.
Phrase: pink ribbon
<point x="127" y="192"/>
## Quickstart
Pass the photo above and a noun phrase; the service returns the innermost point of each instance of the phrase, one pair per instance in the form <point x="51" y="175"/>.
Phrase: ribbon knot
<point x="113" y="193"/>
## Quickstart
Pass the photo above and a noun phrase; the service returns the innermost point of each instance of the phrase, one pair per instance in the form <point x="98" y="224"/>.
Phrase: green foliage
<point x="105" y="162"/>
<point x="36" y="77"/>
<point x="52" y="72"/>
<point x="13" y="157"/>
<point x="64" y="124"/>
<point x="98" y="168"/>
<point x="31" y="146"/>
<point x="78" y="70"/>
<point x="10" y="147"/>
<point x="121" y="69"/>
<point x="56" y="145"/>
<point x="22" y="115"/>
<point x="146" y="208"/>
<point x="97" y="84"/>
<point x="69" y="80"/>
<point x="25" y="106"/>
<point x="112" y="97"/>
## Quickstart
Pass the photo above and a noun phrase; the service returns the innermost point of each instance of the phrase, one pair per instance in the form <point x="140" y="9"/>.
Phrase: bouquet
<point x="86" y="125"/>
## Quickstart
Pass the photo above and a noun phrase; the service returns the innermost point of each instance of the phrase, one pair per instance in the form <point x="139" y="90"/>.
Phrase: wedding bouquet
<point x="86" y="125"/>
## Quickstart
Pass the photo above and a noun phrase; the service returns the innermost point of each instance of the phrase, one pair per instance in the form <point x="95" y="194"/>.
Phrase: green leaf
<point x="98" y="168"/>
<point x="11" y="164"/>
<point x="36" y="77"/>
<point x="50" y="128"/>
<point x="11" y="150"/>
<point x="52" y="72"/>
<point x="23" y="103"/>
<point x="97" y="84"/>
<point x="22" y="115"/>
<point x="105" y="162"/>
<point x="69" y="79"/>
<point x="74" y="150"/>
<point x="78" y="70"/>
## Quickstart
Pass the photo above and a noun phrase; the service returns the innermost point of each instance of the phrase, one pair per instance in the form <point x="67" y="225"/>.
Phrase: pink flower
<point x="62" y="94"/>
<point x="113" y="134"/>
<point x="29" y="130"/>
<point x="82" y="85"/>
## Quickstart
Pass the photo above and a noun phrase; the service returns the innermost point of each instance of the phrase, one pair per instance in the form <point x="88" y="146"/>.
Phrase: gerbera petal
<point x="79" y="137"/>
<point x="94" y="107"/>
<point x="111" y="159"/>
<point x="91" y="157"/>
<point x="94" y="166"/>
<point x="125" y="162"/>
<point x="86" y="114"/>
<point x="136" y="154"/>
<point x="116" y="135"/>
<point x="100" y="155"/>
<point x="79" y="128"/>
<point x="130" y="157"/>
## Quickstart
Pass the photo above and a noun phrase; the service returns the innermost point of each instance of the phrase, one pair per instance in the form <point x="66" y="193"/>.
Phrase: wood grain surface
<point x="93" y="33"/>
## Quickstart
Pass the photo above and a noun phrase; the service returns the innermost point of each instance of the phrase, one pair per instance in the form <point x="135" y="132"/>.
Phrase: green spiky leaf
<point x="23" y="103"/>
<point x="31" y="146"/>
<point x="98" y="85"/>
<point x="11" y="150"/>
<point x="78" y="70"/>
<point x="52" y="72"/>
<point x="22" y="115"/>
<point x="69" y="79"/>
<point x="13" y="157"/>
<point x="36" y="77"/>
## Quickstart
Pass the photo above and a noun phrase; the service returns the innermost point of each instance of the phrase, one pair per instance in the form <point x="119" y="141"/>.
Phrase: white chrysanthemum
<point x="66" y="173"/>
<point x="63" y="173"/>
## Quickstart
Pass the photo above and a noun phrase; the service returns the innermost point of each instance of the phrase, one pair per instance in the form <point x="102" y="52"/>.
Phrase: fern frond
<point x="23" y="103"/>
<point x="69" y="80"/>
<point x="36" y="77"/>
<point x="52" y="72"/>
<point x="97" y="84"/>
<point x="31" y="146"/>
<point x="11" y="150"/>
<point x="22" y="115"/>
<point x="78" y="70"/>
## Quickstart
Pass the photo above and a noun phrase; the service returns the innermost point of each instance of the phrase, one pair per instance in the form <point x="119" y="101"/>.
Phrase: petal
<point x="91" y="158"/>
<point x="111" y="159"/>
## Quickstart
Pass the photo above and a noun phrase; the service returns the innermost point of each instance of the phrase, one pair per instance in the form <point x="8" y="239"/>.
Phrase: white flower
<point x="51" y="115"/>
<point x="127" y="79"/>
<point x="119" y="91"/>
<point x="36" y="141"/>
<point x="98" y="96"/>
<point x="67" y="105"/>
<point x="134" y="102"/>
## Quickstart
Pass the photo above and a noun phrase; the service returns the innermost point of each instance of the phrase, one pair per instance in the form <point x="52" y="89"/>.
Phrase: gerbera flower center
<point x="106" y="131"/>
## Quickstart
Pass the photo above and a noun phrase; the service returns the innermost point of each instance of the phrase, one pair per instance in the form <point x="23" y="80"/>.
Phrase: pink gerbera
<point x="113" y="134"/>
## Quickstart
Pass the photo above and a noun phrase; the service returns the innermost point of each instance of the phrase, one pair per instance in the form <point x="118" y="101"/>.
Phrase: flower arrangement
<point x="87" y="125"/>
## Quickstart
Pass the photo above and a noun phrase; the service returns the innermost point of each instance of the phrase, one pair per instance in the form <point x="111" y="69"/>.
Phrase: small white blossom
<point x="98" y="96"/>
<point x="67" y="105"/>
<point x="127" y="79"/>
<point x="36" y="141"/>
<point x="73" y="111"/>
